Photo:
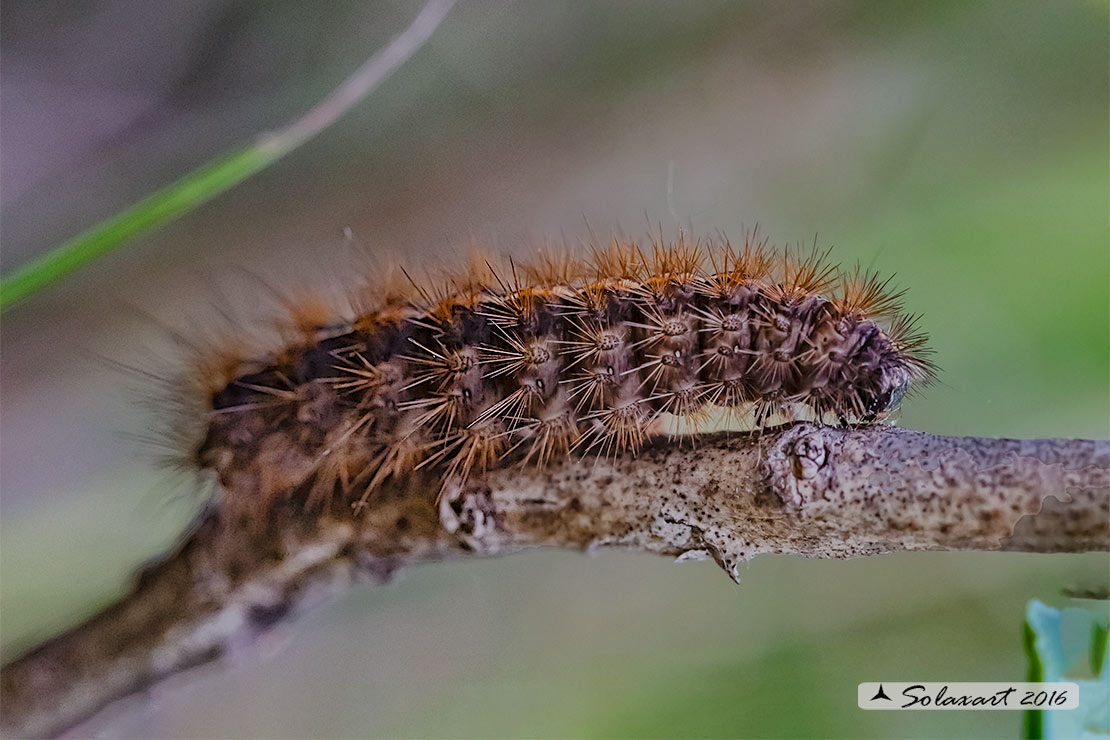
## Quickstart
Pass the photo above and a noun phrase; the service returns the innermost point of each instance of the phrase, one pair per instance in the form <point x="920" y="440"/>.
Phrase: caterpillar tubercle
<point x="532" y="363"/>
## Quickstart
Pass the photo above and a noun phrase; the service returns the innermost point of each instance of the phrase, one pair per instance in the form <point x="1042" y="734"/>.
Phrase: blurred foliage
<point x="1070" y="645"/>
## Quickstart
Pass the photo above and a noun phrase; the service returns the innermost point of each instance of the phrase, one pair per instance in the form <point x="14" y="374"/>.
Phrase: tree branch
<point x="803" y="489"/>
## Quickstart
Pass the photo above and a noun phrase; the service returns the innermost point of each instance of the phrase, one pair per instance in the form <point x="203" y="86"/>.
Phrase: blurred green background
<point x="961" y="145"/>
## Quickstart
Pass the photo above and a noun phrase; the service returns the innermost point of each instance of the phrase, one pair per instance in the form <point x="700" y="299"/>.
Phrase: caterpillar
<point x="526" y="363"/>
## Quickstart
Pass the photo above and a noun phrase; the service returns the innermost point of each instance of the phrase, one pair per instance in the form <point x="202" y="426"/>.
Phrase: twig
<point x="803" y="489"/>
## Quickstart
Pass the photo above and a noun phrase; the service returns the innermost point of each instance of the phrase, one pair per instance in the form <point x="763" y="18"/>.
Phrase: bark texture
<point x="803" y="489"/>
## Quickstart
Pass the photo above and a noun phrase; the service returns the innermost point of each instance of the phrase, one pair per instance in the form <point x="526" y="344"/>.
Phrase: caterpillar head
<point x="894" y="381"/>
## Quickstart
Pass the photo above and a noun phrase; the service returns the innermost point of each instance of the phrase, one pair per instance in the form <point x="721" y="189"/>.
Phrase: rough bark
<point x="803" y="489"/>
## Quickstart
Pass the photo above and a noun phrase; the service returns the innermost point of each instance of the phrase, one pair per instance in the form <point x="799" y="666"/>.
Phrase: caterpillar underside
<point x="530" y="364"/>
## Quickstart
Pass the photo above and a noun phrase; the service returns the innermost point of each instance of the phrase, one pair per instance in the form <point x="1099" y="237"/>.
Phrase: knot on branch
<point x="808" y="456"/>
<point x="799" y="464"/>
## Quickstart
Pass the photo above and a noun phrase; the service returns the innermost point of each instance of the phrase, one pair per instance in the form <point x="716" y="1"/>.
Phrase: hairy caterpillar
<point x="562" y="356"/>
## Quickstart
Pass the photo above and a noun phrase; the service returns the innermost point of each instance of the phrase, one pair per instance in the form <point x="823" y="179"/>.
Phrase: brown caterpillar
<point x="559" y="357"/>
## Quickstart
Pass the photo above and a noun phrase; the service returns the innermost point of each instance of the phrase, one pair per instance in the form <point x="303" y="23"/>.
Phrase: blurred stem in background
<point x="225" y="171"/>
